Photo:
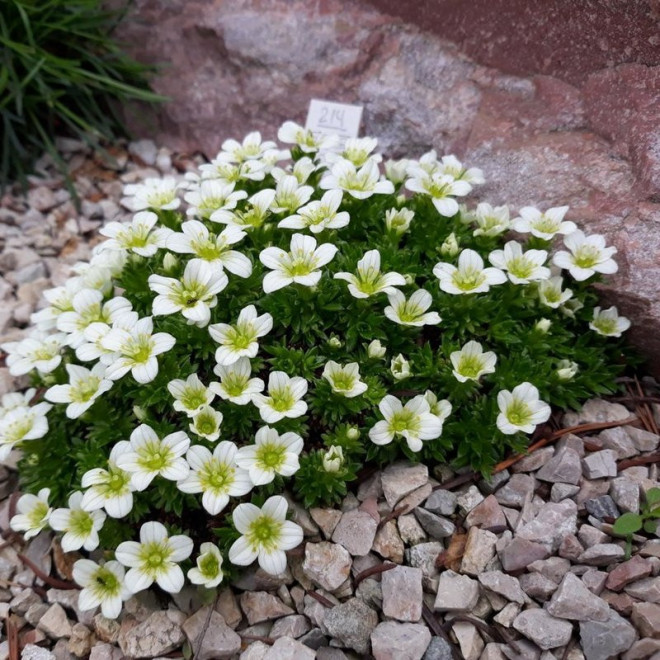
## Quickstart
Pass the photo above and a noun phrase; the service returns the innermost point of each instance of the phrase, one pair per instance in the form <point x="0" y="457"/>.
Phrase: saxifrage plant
<point x="295" y="320"/>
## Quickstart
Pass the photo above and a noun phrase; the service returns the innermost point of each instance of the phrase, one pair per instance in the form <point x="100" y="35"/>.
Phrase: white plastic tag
<point x="328" y="117"/>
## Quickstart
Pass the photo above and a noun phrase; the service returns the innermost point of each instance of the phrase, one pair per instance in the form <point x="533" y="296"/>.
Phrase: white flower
<point x="97" y="277"/>
<point x="375" y="350"/>
<point x="441" y="409"/>
<point x="137" y="349"/>
<point x="14" y="400"/>
<point x="208" y="571"/>
<point x="400" y="367"/>
<point x="254" y="216"/>
<point x="344" y="380"/>
<point x="333" y="459"/>
<point x="414" y="422"/>
<point x="566" y="369"/>
<point x="266" y="534"/>
<point x="306" y="140"/>
<point x="206" y="423"/>
<point x="60" y="299"/>
<point x="109" y="489"/>
<point x="551" y="294"/>
<point x="33" y="513"/>
<point x="546" y="224"/>
<point x="212" y="248"/>
<point x="359" y="183"/>
<point x="84" y="388"/>
<point x="521" y="409"/>
<point x="356" y="151"/>
<point x="302" y="169"/>
<point x="88" y="308"/>
<point x="491" y="221"/>
<point x="290" y="195"/>
<point x="103" y="584"/>
<point x="154" y="559"/>
<point x="571" y="307"/>
<point x="453" y="167"/>
<point x="80" y="527"/>
<point x="20" y="424"/>
<point x="369" y="281"/>
<point x="588" y="255"/>
<point x="469" y="277"/>
<point x="271" y="454"/>
<point x="396" y="170"/>
<point x="228" y="172"/>
<point x="471" y="363"/>
<point x="522" y="267"/>
<point x="608" y="322"/>
<point x="284" y="398"/>
<point x="211" y="196"/>
<point x="190" y="395"/>
<point x="252" y="148"/>
<point x="194" y="295"/>
<point x="319" y="214"/>
<point x="147" y="456"/>
<point x="240" y="340"/>
<point x="140" y="236"/>
<point x="413" y="310"/>
<point x="398" y="220"/>
<point x="235" y="383"/>
<point x="216" y="475"/>
<point x="39" y="351"/>
<point x="441" y="188"/>
<point x="300" y="265"/>
<point x="153" y="193"/>
<point x="92" y="349"/>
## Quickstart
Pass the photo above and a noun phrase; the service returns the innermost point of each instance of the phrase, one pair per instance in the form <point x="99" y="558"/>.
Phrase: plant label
<point x="328" y="117"/>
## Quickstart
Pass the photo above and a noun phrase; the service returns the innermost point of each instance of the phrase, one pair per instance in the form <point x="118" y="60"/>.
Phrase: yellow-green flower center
<point x="264" y="533"/>
<point x="81" y="522"/>
<point x="154" y="557"/>
<point x="208" y="565"/>
<point x="271" y="456"/>
<point x="105" y="583"/>
<point x="84" y="390"/>
<point x="470" y="366"/>
<point x="468" y="279"/>
<point x="38" y="515"/>
<point x="519" y="413"/>
<point x="282" y="400"/>
<point x="586" y="256"/>
<point x="404" y="420"/>
<point x="216" y="476"/>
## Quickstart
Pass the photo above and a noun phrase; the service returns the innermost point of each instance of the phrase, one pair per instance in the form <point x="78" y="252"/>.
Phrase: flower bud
<point x="400" y="367"/>
<point x="170" y="262"/>
<point x="450" y="247"/>
<point x="395" y="170"/>
<point x="334" y="342"/>
<point x="543" y="326"/>
<point x="566" y="369"/>
<point x="409" y="279"/>
<point x="376" y="350"/>
<point x="140" y="413"/>
<point x="333" y="459"/>
<point x="353" y="433"/>
<point x="398" y="220"/>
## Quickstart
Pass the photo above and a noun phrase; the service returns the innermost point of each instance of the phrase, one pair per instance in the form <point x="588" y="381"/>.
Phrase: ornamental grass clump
<point x="278" y="320"/>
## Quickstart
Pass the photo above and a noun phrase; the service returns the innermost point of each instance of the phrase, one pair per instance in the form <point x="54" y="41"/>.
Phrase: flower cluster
<point x="289" y="312"/>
